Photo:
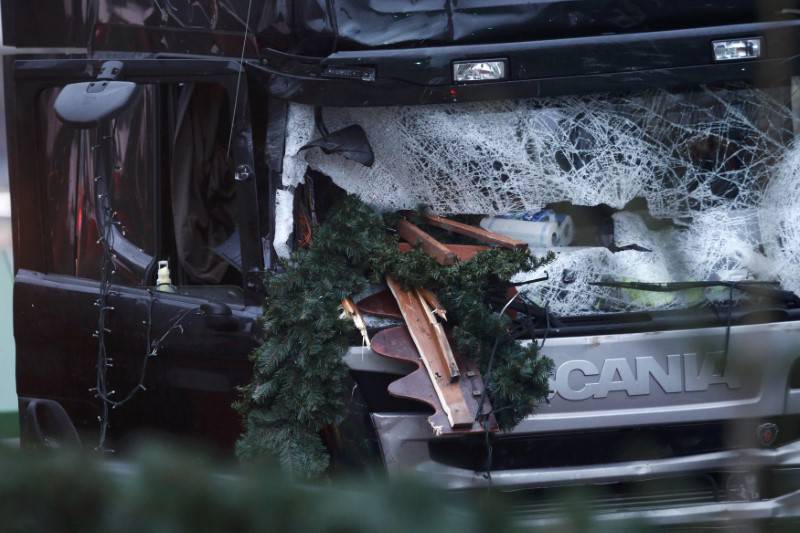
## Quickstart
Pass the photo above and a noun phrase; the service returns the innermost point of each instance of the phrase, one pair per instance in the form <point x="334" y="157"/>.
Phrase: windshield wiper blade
<point x="767" y="289"/>
<point x="672" y="286"/>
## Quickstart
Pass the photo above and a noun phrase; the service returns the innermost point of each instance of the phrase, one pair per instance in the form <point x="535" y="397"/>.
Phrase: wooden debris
<point x="396" y="343"/>
<point x="480" y="234"/>
<point x="414" y="235"/>
<point x="437" y="307"/>
<point x="441" y="337"/>
<point x="351" y="310"/>
<point x="464" y="252"/>
<point x="455" y="398"/>
<point x="429" y="345"/>
<point x="381" y="304"/>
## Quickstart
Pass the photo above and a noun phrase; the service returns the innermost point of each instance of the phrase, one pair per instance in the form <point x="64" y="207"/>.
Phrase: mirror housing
<point x="85" y="105"/>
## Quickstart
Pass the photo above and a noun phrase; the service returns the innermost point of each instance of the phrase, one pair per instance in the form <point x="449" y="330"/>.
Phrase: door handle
<point x="219" y="317"/>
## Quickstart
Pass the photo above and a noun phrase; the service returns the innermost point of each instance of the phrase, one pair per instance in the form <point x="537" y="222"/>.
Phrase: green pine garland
<point x="300" y="382"/>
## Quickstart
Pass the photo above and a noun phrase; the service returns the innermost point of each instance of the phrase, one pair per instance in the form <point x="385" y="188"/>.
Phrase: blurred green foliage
<point x="9" y="425"/>
<point x="162" y="489"/>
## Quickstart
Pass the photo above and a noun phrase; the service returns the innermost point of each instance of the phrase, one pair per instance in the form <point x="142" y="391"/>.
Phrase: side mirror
<point x="88" y="104"/>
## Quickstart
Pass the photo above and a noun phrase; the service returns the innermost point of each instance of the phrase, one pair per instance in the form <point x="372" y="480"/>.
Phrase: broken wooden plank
<point x="464" y="252"/>
<point x="425" y="339"/>
<point x="475" y="232"/>
<point x="381" y="304"/>
<point x="417" y="237"/>
<point x="396" y="343"/>
<point x="354" y="314"/>
<point x="441" y="338"/>
<point x="436" y="306"/>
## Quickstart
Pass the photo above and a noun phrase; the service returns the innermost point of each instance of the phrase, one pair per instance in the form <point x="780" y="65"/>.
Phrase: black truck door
<point x="183" y="193"/>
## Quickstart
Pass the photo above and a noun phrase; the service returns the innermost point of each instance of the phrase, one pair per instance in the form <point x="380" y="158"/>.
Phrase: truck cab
<point x="665" y="131"/>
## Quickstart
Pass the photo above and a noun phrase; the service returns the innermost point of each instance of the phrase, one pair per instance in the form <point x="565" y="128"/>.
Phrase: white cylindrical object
<point x="566" y="230"/>
<point x="164" y="281"/>
<point x="543" y="234"/>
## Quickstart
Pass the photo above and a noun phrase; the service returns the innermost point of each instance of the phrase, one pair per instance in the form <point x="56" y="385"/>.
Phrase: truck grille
<point x="571" y="449"/>
<point x="618" y="497"/>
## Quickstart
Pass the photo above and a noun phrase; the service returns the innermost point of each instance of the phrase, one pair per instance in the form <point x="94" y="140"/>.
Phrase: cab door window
<point x="133" y="194"/>
<point x="202" y="189"/>
<point x="67" y="165"/>
<point x="172" y="190"/>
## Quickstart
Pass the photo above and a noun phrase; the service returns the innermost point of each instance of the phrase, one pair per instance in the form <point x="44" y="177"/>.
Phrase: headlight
<point x="488" y="70"/>
<point x="737" y="49"/>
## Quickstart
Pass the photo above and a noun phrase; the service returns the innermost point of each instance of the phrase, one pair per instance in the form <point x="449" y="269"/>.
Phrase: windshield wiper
<point x="766" y="289"/>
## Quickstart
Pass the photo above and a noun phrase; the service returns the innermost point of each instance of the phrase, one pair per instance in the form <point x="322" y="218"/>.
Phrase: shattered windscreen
<point x="698" y="184"/>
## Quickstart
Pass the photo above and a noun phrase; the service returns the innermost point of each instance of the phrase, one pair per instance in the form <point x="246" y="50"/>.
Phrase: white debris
<point x="299" y="132"/>
<point x="568" y="288"/>
<point x="722" y="244"/>
<point x="700" y="159"/>
<point x="680" y="152"/>
<point x="780" y="220"/>
<point x="284" y="223"/>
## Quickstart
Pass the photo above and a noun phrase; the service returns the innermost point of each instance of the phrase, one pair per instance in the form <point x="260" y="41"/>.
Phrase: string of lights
<point x="106" y="218"/>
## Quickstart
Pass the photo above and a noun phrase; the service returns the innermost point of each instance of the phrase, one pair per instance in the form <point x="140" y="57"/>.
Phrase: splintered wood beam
<point x="475" y="232"/>
<point x="383" y="304"/>
<point x="433" y="302"/>
<point x="397" y="344"/>
<point x="414" y="235"/>
<point x="425" y="339"/>
<point x="351" y="310"/>
<point x="464" y="252"/>
<point x="445" y="352"/>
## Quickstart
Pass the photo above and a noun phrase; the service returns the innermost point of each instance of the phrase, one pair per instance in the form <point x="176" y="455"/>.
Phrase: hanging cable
<point x="239" y="77"/>
<point x="106" y="220"/>
<point x="480" y="417"/>
<point x="724" y="363"/>
<point x="105" y="217"/>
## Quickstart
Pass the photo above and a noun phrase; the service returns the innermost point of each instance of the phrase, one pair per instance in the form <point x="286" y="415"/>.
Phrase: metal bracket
<point x="110" y="70"/>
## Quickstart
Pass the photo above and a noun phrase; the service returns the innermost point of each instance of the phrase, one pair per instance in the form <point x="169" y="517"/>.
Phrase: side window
<point x="202" y="191"/>
<point x="67" y="168"/>
<point x="133" y="193"/>
<point x="59" y="157"/>
<point x="172" y="188"/>
<point x="136" y="175"/>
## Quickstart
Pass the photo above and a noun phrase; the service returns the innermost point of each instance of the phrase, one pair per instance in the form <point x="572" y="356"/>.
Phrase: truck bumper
<point x="404" y="442"/>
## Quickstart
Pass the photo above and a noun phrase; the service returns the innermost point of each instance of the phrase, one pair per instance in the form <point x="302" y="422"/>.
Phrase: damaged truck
<point x="166" y="157"/>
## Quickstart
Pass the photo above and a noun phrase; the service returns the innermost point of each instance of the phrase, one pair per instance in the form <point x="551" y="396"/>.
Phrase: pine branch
<point x="300" y="381"/>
